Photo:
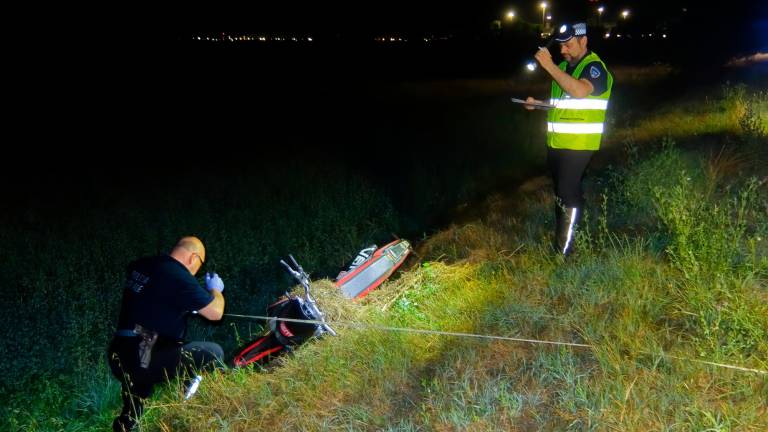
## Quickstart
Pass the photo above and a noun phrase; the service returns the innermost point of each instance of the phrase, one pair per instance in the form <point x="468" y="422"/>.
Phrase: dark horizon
<point x="363" y="19"/>
<point x="166" y="97"/>
<point x="700" y="35"/>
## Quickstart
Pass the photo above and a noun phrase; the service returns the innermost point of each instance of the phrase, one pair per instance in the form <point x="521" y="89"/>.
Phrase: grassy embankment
<point x="672" y="272"/>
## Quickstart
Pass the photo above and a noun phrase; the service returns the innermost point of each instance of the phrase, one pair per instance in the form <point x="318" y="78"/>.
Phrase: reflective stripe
<point x="569" y="236"/>
<point x="126" y="333"/>
<point x="591" y="104"/>
<point x="575" y="128"/>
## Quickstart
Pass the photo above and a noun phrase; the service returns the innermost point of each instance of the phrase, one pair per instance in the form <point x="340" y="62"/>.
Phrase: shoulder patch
<point x="594" y="72"/>
<point x="136" y="281"/>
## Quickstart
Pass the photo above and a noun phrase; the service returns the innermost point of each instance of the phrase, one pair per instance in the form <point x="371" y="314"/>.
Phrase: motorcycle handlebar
<point x="329" y="329"/>
<point x="303" y="278"/>
<point x="296" y="264"/>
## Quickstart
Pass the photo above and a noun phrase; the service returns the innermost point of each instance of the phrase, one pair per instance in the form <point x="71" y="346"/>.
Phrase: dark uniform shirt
<point x="159" y="293"/>
<point x="593" y="72"/>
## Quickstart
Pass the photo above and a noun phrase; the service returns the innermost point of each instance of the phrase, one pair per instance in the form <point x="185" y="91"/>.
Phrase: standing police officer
<point x="581" y="88"/>
<point x="158" y="295"/>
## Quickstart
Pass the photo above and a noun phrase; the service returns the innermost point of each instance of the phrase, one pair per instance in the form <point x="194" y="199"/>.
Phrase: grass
<point x="65" y="301"/>
<point x="367" y="380"/>
<point x="737" y="110"/>
<point x="648" y="314"/>
<point x="672" y="270"/>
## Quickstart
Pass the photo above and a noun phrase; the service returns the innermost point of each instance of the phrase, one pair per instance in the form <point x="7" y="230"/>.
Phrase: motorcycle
<point x="283" y="336"/>
<point x="371" y="267"/>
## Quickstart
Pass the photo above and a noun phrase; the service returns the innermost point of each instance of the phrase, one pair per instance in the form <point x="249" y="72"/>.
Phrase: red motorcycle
<point x="285" y="330"/>
<point x="287" y="324"/>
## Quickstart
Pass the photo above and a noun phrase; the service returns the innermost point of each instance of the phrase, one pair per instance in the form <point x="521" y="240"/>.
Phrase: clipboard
<point x="536" y="105"/>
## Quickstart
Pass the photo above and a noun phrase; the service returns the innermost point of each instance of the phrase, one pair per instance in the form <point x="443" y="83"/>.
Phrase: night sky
<point x="701" y="29"/>
<point x="124" y="81"/>
<point x="430" y="15"/>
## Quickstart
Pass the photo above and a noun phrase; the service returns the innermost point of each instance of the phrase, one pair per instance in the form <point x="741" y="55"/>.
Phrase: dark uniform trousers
<point x="168" y="359"/>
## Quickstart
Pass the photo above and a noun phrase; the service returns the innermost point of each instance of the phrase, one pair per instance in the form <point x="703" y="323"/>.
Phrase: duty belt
<point x="148" y="340"/>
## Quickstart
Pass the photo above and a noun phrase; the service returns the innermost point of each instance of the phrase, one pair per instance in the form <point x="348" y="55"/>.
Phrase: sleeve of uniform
<point x="596" y="74"/>
<point x="193" y="297"/>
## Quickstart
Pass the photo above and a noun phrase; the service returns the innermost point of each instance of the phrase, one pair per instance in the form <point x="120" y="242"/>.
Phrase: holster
<point x="148" y="340"/>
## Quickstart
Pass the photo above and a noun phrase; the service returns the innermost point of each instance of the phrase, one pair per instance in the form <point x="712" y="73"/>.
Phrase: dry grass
<point x="624" y="295"/>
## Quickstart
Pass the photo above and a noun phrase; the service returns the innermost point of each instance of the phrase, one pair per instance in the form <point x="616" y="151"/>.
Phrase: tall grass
<point x="671" y="272"/>
<point x="617" y="299"/>
<point x="737" y="110"/>
<point x="65" y="273"/>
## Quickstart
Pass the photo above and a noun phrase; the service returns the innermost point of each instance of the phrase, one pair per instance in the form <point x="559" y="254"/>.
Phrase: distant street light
<point x="600" y="15"/>
<point x="625" y="13"/>
<point x="549" y="17"/>
<point x="543" y="12"/>
<point x="511" y="15"/>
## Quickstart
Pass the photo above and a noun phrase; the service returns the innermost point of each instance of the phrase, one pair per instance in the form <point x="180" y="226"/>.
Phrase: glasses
<point x="202" y="263"/>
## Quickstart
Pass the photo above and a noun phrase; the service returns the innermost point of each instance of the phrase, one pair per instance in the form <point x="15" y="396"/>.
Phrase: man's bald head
<point x="192" y="244"/>
<point x="187" y="250"/>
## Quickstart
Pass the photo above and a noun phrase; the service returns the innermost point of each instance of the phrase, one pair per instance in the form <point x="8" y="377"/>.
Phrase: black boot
<point x="124" y="423"/>
<point x="133" y="408"/>
<point x="567" y="220"/>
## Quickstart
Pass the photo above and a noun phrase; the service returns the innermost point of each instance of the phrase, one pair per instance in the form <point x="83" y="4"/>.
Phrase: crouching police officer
<point x="147" y="349"/>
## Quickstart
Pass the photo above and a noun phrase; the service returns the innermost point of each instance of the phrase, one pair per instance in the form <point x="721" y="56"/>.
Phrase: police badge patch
<point x="136" y="281"/>
<point x="594" y="72"/>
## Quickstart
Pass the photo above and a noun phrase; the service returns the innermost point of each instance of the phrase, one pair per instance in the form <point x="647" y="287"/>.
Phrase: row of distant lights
<point x="402" y="39"/>
<point x="252" y="39"/>
<point x="624" y="14"/>
<point x="642" y="35"/>
<point x="378" y="39"/>
<point x="299" y="39"/>
<point x="392" y="39"/>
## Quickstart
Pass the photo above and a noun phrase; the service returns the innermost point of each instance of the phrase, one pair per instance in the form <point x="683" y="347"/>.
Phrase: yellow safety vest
<point x="577" y="124"/>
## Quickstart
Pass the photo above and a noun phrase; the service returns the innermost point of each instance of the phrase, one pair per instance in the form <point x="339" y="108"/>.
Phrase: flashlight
<point x="533" y="65"/>
<point x="192" y="389"/>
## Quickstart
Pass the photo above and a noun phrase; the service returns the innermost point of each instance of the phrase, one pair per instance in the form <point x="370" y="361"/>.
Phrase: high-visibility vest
<point x="577" y="123"/>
